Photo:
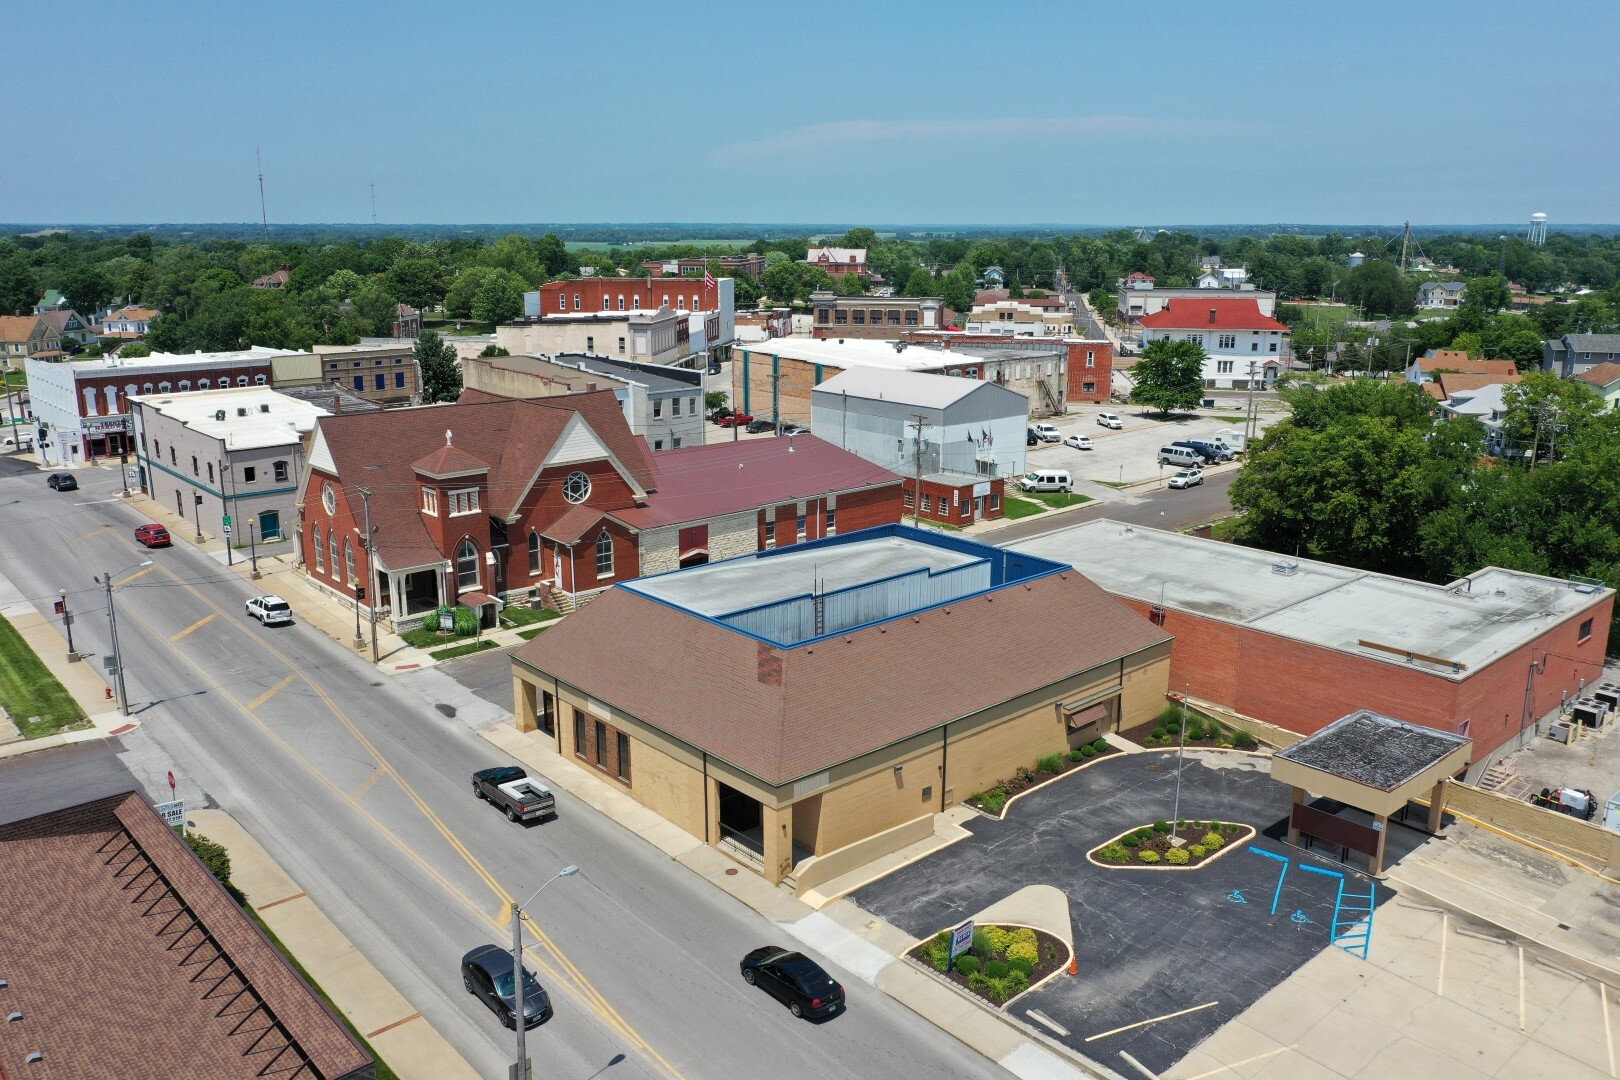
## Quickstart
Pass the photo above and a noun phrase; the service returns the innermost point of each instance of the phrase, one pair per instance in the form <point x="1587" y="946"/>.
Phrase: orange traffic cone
<point x="1074" y="965"/>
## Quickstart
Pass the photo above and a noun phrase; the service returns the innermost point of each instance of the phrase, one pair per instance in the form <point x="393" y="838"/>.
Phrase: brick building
<point x="838" y="261"/>
<point x="1089" y="363"/>
<point x="494" y="498"/>
<point x="752" y="264"/>
<point x="1298" y="644"/>
<point x="840" y="692"/>
<point x="81" y="407"/>
<point x="883" y="318"/>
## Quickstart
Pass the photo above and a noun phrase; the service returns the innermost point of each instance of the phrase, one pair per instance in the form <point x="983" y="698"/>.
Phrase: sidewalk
<point x="865" y="945"/>
<point x="402" y="1037"/>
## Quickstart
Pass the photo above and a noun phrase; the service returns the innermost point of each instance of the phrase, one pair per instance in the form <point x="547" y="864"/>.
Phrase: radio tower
<point x="264" y="215"/>
<point x="373" y="204"/>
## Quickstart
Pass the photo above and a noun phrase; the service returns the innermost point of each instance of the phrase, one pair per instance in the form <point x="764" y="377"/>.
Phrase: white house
<point x="1236" y="337"/>
<point x="1487" y="404"/>
<point x="1441" y="294"/>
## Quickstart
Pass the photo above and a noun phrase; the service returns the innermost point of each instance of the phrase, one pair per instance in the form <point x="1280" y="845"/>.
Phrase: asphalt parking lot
<point x="1149" y="943"/>
<point x="1129" y="455"/>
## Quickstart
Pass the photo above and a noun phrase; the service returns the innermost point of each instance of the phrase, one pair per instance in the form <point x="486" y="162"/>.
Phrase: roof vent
<point x="219" y="414"/>
<point x="1286" y="567"/>
<point x="241" y="410"/>
<point x="14" y="1016"/>
<point x="35" y="1057"/>
<point x="264" y="408"/>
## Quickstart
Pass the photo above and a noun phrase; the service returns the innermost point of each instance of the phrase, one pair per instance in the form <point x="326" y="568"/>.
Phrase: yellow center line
<point x="569" y="974"/>
<point x="199" y="624"/>
<point x="270" y="693"/>
<point x="136" y="574"/>
<point x="91" y="534"/>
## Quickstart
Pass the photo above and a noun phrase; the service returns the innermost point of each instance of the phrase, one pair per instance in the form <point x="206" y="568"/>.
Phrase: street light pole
<point x="253" y="547"/>
<point x="112" y="624"/>
<point x="371" y="573"/>
<point x="196" y="515"/>
<point x="67" y="623"/>
<point x="1181" y="750"/>
<point x="522" y="1072"/>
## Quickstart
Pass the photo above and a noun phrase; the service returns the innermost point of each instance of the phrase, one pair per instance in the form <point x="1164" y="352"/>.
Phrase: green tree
<point x="1489" y="294"/>
<point x="417" y="282"/>
<point x="86" y="286"/>
<point x="849" y="285"/>
<point x="19" y="288"/>
<point x="499" y="299"/>
<point x="859" y="238"/>
<point x="746" y="291"/>
<point x="957" y="289"/>
<point x="136" y="349"/>
<point x="786" y="282"/>
<point x="441" y="374"/>
<point x="494" y="350"/>
<point x="920" y="283"/>
<point x="553" y="255"/>
<point x="1543" y="411"/>
<point x="1169" y="375"/>
<point x="458" y="300"/>
<point x="714" y="399"/>
<point x="1381" y="289"/>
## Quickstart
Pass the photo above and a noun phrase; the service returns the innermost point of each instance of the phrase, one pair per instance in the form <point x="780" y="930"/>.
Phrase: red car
<point x="736" y="419"/>
<point x="152" y="536"/>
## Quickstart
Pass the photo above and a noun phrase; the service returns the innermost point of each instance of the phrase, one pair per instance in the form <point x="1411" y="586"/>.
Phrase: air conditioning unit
<point x="1559" y="732"/>
<point x="241" y="410"/>
<point x="219" y="414"/>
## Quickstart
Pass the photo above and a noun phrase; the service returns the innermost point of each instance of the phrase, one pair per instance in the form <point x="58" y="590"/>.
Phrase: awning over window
<point x="1093" y="698"/>
<point x="1091" y="714"/>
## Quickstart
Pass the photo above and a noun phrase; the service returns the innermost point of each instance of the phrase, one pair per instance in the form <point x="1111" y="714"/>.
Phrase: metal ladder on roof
<point x="1351" y="926"/>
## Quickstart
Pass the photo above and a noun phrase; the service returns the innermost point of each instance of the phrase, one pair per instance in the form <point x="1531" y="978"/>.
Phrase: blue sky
<point x="1110" y="113"/>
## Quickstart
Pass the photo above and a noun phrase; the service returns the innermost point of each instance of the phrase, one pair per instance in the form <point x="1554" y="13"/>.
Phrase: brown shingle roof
<point x="376" y="451"/>
<point x="166" y="963"/>
<point x="782" y="713"/>
<point x="17" y="327"/>
<point x="1601" y="375"/>
<point x="1457" y="383"/>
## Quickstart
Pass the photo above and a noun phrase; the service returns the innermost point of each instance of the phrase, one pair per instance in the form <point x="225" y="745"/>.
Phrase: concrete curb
<point x="399" y="1033"/>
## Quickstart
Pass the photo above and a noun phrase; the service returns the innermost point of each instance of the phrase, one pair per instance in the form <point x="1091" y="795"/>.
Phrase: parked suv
<point x="1110" y="420"/>
<point x="61" y="481"/>
<point x="1210" y="452"/>
<point x="152" y="536"/>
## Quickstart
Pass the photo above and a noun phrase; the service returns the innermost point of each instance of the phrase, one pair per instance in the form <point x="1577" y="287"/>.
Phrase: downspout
<point x="944" y="764"/>
<point x="706" y="839"/>
<point x="556" y="721"/>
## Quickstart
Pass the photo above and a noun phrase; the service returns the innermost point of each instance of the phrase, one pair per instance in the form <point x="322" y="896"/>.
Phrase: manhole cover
<point x="448" y="710"/>
<point x="376" y="684"/>
<point x="731" y="871"/>
<point x="1150" y="768"/>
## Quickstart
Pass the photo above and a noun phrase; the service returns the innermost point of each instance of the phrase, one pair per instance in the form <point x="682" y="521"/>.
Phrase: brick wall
<point x="1091" y="363"/>
<point x="953" y="503"/>
<point x="652" y="293"/>
<point x="1587" y="842"/>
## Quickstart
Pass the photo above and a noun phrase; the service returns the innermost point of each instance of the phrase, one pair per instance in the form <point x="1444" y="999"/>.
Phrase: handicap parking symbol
<point x="1237" y="897"/>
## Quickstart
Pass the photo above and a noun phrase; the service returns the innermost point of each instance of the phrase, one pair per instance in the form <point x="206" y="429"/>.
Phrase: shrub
<point x="1144" y="834"/>
<point x="1157" y="733"/>
<point x="1177" y="856"/>
<point x="1026" y="937"/>
<point x="1024" y="965"/>
<point x="1173" y="725"/>
<point x="968" y="965"/>
<point x="1148" y="856"/>
<point x="1196" y="851"/>
<point x="1084" y="753"/>
<point x="1050" y="763"/>
<point x="1008" y="986"/>
<point x="979" y="981"/>
<point x="992" y="801"/>
<point x="1169" y="712"/>
<point x="213" y="856"/>
<point x="981" y="945"/>
<point x="1243" y="741"/>
<point x="1195" y="732"/>
<point x="998" y="938"/>
<point x="938" y="951"/>
<point x="1100" y="745"/>
<point x="996" y="969"/>
<point x="1076" y="755"/>
<point x="1212" y="841"/>
<point x="1131" y="840"/>
<point x="1114" y="853"/>
<point x="1161" y="826"/>
<point x="1023" y="775"/>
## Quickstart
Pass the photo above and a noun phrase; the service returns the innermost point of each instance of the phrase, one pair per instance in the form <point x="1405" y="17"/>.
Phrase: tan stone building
<point x="810" y="708"/>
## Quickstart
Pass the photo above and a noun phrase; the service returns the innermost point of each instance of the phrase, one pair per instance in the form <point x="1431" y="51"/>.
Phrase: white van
<point x="1046" y="432"/>
<point x="1232" y="439"/>
<point x="1183" y="457"/>
<point x="1110" y="420"/>
<point x="1046" y="480"/>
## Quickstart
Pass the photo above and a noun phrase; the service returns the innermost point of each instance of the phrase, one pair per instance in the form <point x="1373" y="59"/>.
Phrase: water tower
<point x="1538" y="229"/>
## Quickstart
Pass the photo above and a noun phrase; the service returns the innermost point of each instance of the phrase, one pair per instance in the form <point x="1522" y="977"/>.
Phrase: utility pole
<point x="1249" y="416"/>
<point x="371" y="571"/>
<point x="1535" y="443"/>
<point x="916" y="466"/>
<point x="118" y="657"/>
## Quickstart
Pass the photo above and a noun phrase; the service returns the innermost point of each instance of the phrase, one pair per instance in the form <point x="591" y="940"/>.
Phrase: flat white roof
<point x="1468" y="623"/>
<point x="159" y="359"/>
<point x="267" y="418"/>
<point x="855" y="352"/>
<point x="908" y="387"/>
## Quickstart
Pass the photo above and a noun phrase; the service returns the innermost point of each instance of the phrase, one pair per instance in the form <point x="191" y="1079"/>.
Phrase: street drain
<point x="376" y="684"/>
<point x="448" y="710"/>
<point x="731" y="871"/>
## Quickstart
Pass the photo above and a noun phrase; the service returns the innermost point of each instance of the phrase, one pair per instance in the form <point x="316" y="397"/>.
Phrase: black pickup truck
<point x="514" y="791"/>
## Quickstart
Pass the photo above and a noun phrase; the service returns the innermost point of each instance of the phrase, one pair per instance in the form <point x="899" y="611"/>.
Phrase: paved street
<point x="358" y="787"/>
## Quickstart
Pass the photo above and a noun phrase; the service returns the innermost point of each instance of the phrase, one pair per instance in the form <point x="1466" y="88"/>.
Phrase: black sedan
<point x="486" y="972"/>
<point x="62" y="481"/>
<point x="761" y="425"/>
<point x="794" y="979"/>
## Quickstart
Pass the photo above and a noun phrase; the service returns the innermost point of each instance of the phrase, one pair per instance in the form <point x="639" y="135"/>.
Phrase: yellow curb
<point x="1227" y="848"/>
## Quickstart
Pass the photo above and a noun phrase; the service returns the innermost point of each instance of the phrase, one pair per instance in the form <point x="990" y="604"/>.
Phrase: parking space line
<point x="270" y="693"/>
<point x="365" y="785"/>
<point x="1608" y="1033"/>
<point x="1440" y="987"/>
<point x="1041" y="1018"/>
<point x="1246" y="1061"/>
<point x="136" y="574"/>
<point x="1154" y="1020"/>
<point x="204" y="621"/>
<point x="90" y="535"/>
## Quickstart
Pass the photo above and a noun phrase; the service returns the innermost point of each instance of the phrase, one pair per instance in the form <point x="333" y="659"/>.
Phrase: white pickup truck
<point x="514" y="791"/>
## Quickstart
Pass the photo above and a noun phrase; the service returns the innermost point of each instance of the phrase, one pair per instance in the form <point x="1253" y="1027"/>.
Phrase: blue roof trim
<point x="1007" y="567"/>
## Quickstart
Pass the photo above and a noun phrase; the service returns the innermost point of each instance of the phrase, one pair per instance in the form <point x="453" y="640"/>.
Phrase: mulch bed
<point x="1053" y="956"/>
<point x="1192" y="832"/>
<point x="1024" y="779"/>
<point x="1140" y="735"/>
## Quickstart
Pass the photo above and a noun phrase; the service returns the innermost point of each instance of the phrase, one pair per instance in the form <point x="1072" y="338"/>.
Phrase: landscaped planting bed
<point x="993" y="798"/>
<point x="1202" y="731"/>
<point x="1005" y="960"/>
<point x="1150" y="845"/>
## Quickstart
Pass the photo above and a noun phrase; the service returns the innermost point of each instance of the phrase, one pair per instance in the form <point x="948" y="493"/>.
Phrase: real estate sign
<point x="961" y="940"/>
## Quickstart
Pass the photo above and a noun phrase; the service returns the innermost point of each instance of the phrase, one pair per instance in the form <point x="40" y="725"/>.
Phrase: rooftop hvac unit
<point x="219" y="414"/>
<point x="1559" y="732"/>
<point x="241" y="410"/>
<point x="1286" y="567"/>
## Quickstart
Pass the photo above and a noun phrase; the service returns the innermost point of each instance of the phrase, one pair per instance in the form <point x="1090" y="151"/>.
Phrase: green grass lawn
<point x="1226" y="528"/>
<point x="424" y="637"/>
<point x="464" y="650"/>
<point x="1016" y="506"/>
<point x="517" y="615"/>
<point x="532" y="632"/>
<point x="1057" y="500"/>
<point x="1320" y="314"/>
<point x="27" y="688"/>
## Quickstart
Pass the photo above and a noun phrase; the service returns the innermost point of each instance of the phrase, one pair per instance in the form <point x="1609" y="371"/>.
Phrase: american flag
<point x="708" y="279"/>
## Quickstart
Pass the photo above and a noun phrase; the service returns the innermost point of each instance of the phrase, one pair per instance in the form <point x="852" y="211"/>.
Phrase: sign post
<point x="174" y="808"/>
<point x="961" y="941"/>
